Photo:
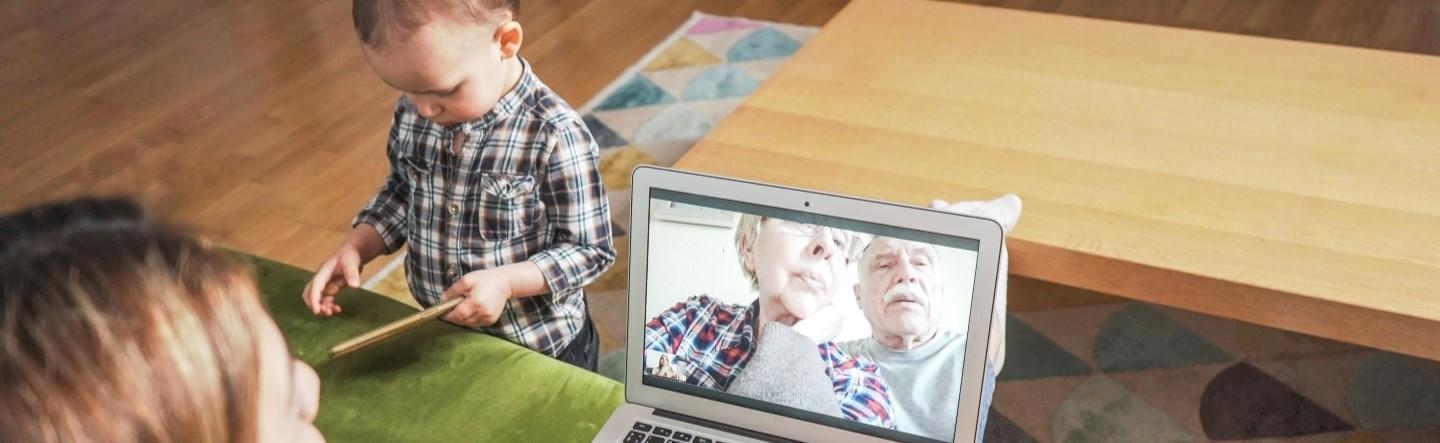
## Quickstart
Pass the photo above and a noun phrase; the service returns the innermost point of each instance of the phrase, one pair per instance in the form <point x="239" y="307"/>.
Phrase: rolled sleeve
<point x="863" y="395"/>
<point x="387" y="223"/>
<point x="577" y="210"/>
<point x="388" y="210"/>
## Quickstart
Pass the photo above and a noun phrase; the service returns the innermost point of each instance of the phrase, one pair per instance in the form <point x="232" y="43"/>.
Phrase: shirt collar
<point x="752" y="316"/>
<point x="508" y="105"/>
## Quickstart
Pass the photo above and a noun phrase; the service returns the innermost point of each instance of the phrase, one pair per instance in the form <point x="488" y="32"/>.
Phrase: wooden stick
<point x="394" y="328"/>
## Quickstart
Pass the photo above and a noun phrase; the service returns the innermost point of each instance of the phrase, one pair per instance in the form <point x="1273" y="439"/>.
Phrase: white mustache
<point x="907" y="291"/>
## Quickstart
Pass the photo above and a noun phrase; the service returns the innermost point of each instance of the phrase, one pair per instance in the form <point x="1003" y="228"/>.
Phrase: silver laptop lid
<point x="881" y="311"/>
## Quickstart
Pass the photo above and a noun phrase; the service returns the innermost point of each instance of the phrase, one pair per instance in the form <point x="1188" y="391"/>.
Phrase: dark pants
<point x="584" y="350"/>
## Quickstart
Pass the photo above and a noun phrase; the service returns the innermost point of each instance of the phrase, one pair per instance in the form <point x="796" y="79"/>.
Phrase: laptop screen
<point x="840" y="322"/>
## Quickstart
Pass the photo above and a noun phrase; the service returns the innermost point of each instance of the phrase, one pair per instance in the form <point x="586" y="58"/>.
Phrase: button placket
<point x="457" y="142"/>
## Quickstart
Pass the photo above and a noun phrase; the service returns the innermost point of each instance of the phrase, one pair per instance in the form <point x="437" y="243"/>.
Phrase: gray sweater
<point x="924" y="382"/>
<point x="786" y="369"/>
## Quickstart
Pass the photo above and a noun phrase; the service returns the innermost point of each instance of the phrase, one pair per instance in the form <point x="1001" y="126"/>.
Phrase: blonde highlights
<point x="116" y="328"/>
<point x="746" y="232"/>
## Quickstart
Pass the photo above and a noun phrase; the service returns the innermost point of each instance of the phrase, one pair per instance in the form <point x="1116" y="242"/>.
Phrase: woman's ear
<point x="747" y="246"/>
<point x="747" y="252"/>
<point x="509" y="35"/>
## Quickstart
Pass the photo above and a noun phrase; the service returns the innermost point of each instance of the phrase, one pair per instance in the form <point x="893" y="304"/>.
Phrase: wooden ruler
<point x="394" y="328"/>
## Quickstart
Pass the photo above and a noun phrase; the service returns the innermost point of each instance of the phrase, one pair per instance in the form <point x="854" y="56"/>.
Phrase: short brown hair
<point x="117" y="328"/>
<point x="375" y="20"/>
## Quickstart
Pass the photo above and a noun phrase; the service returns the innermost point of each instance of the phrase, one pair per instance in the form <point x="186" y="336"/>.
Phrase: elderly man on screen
<point x="898" y="290"/>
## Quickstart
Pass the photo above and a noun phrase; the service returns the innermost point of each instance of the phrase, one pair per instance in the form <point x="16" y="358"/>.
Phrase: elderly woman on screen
<point x="798" y="270"/>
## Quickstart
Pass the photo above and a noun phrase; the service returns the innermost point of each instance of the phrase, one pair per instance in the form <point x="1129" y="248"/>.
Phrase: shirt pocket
<point x="509" y="206"/>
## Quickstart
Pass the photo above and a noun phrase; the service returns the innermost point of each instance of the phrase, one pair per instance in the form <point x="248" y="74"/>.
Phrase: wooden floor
<point x="259" y="125"/>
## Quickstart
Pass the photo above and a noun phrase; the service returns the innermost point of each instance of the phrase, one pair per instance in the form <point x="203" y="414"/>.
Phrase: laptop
<point x="714" y="261"/>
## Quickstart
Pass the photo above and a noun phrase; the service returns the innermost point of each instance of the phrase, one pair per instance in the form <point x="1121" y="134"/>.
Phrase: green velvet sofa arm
<point x="437" y="383"/>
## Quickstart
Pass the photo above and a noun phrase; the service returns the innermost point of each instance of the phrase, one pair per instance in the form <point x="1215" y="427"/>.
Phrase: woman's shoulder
<point x="701" y="308"/>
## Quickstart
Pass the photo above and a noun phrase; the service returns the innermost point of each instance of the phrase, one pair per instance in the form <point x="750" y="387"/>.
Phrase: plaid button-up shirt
<point x="713" y="340"/>
<point x="520" y="183"/>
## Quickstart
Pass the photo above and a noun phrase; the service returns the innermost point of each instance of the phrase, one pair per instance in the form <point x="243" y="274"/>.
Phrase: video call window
<point x="876" y="306"/>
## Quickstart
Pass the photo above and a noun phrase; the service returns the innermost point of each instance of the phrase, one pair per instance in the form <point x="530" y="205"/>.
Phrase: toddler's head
<point x="452" y="59"/>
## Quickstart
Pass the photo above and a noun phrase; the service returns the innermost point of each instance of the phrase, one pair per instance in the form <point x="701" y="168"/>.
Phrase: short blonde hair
<point x="748" y="229"/>
<point x="115" y="328"/>
<point x="745" y="234"/>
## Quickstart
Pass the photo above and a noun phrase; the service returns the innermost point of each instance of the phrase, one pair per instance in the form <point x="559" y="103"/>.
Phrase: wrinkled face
<point x="289" y="392"/>
<point x="799" y="268"/>
<point x="452" y="73"/>
<point x="899" y="287"/>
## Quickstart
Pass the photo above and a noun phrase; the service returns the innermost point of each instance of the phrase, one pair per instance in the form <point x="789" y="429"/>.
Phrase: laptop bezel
<point x="646" y="178"/>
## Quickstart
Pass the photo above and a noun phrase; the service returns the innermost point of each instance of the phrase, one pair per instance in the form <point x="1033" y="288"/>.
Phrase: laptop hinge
<point x="723" y="427"/>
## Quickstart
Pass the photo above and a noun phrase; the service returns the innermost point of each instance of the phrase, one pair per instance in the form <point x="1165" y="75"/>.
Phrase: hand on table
<point x="341" y="270"/>
<point x="1004" y="209"/>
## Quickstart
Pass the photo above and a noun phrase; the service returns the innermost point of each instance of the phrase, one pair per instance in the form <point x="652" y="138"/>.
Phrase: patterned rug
<point x="1086" y="367"/>
<point x="1082" y="366"/>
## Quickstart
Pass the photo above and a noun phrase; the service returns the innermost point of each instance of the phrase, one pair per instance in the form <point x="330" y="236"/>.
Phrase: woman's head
<point x="117" y="328"/>
<point x="797" y="268"/>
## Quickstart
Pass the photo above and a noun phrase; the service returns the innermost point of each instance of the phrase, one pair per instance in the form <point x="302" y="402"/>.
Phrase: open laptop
<point x="699" y="295"/>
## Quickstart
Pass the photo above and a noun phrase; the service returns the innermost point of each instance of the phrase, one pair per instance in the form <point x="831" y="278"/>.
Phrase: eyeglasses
<point x="838" y="238"/>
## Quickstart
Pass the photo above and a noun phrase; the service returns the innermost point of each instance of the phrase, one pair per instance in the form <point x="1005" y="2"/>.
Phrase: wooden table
<point x="1289" y="184"/>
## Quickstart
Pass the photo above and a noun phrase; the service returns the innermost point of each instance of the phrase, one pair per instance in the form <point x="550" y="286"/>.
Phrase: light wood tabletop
<point x="1290" y="184"/>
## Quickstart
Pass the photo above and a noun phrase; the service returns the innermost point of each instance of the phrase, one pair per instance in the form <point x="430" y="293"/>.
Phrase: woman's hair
<point x="114" y="327"/>
<point x="745" y="234"/>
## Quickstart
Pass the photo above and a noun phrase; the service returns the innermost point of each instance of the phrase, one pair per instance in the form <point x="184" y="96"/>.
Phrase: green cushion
<point x="438" y="382"/>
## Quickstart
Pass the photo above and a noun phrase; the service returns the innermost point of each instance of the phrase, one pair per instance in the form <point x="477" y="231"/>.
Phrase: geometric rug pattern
<point x="659" y="108"/>
<point x="1081" y="366"/>
<point x="1109" y="369"/>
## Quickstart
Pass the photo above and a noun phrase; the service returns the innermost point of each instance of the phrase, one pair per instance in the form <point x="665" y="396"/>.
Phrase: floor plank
<point x="259" y="124"/>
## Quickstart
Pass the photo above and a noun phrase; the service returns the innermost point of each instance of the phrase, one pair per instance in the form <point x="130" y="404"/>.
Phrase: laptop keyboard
<point x="642" y="432"/>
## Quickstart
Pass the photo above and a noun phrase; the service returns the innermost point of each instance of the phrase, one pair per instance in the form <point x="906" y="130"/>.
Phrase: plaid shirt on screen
<point x="713" y="340"/>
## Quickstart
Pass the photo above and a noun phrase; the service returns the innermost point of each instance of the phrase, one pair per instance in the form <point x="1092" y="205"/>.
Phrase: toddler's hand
<point x="485" y="294"/>
<point x="342" y="269"/>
